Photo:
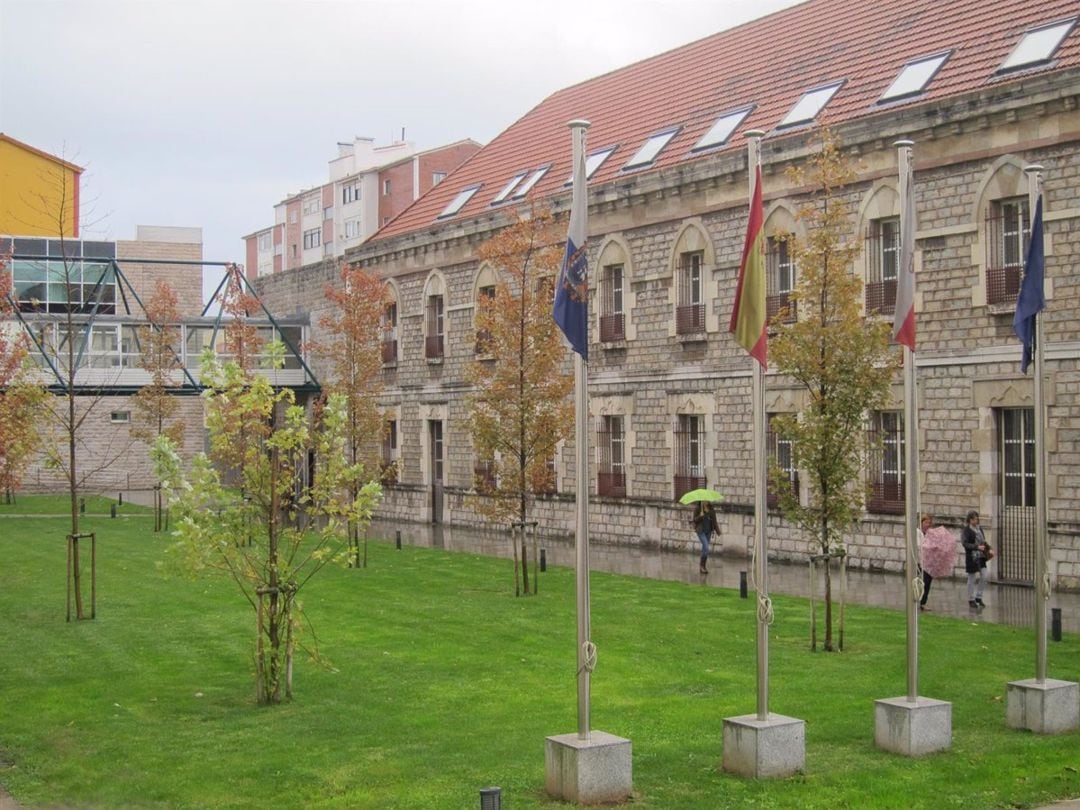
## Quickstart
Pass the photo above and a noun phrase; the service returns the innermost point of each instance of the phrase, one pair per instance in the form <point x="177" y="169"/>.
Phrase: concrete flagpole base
<point x="591" y="771"/>
<point x="1050" y="707"/>
<point x="912" y="728"/>
<point x="764" y="749"/>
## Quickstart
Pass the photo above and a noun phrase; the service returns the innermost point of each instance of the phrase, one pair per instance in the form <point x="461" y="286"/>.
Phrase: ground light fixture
<point x="491" y="798"/>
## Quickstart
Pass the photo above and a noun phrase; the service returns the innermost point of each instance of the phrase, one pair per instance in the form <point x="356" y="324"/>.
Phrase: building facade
<point x="39" y="192"/>
<point x="368" y="186"/>
<point x="982" y="96"/>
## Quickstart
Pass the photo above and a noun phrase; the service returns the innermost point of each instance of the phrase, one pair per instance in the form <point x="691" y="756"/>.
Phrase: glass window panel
<point x="914" y="77"/>
<point x="28" y="271"/>
<point x="1037" y="45"/>
<point x="527" y="186"/>
<point x="502" y="195"/>
<point x="30" y="247"/>
<point x="459" y="201"/>
<point x="723" y="129"/>
<point x="650" y="149"/>
<point x="808" y="107"/>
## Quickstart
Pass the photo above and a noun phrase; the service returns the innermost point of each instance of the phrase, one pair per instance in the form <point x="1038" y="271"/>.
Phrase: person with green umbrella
<point x="705" y="526"/>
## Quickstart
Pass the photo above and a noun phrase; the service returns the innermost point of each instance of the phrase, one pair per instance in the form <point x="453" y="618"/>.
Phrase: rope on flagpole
<point x="588" y="663"/>
<point x="764" y="603"/>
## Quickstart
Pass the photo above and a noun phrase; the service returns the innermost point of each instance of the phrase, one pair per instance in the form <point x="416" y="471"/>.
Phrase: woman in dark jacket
<point x="976" y="553"/>
<point x="705" y="526"/>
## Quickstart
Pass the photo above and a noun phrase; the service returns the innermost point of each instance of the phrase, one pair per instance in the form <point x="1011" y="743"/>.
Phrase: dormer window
<point x="459" y="201"/>
<point x="723" y="129"/>
<point x="808" y="107"/>
<point x="1038" y="45"/>
<point x="650" y="149"/>
<point x="914" y="77"/>
<point x="592" y="163"/>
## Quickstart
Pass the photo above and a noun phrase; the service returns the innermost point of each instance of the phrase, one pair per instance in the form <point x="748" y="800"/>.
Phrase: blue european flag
<point x="1031" y="299"/>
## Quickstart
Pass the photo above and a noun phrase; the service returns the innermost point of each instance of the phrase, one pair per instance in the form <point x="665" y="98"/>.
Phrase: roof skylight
<point x="1037" y="45"/>
<point x="651" y="148"/>
<point x="914" y="76"/>
<point x="459" y="201"/>
<point x="593" y="162"/>
<point x="807" y="108"/>
<point x="534" y="178"/>
<point x="502" y="195"/>
<point x="723" y="129"/>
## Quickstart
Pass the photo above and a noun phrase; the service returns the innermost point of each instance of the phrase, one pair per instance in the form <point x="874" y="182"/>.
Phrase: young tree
<point x="520" y="407"/>
<point x="155" y="404"/>
<point x="351" y="351"/>
<point x="839" y="357"/>
<point x="20" y="399"/>
<point x="64" y="337"/>
<point x="254" y="534"/>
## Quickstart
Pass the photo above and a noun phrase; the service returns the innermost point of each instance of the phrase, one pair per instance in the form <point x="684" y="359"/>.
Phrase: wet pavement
<point x="1005" y="604"/>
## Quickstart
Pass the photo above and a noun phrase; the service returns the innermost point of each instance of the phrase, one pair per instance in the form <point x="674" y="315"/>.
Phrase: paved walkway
<point x="1005" y="604"/>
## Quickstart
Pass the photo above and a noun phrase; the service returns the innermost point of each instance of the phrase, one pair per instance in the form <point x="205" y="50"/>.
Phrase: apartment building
<point x="367" y="186"/>
<point x="982" y="92"/>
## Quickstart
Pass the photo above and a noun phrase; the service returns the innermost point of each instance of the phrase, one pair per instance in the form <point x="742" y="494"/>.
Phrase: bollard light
<point x="543" y="560"/>
<point x="1055" y="624"/>
<point x="120" y="498"/>
<point x="397" y="539"/>
<point x="742" y="584"/>
<point x="491" y="798"/>
<point x="112" y="510"/>
<point x="82" y="506"/>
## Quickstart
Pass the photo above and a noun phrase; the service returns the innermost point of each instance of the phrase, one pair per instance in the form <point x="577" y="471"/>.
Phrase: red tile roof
<point x="768" y="63"/>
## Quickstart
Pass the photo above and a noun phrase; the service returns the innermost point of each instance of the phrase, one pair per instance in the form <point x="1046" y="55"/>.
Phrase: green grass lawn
<point x="442" y="682"/>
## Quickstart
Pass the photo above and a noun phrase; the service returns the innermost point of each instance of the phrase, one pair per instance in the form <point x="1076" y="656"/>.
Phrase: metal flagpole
<point x="761" y="552"/>
<point x="911" y="460"/>
<point x="1042" y="576"/>
<point x="586" y="652"/>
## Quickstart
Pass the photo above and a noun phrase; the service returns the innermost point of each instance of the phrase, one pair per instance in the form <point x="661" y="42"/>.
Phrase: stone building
<point x="982" y="92"/>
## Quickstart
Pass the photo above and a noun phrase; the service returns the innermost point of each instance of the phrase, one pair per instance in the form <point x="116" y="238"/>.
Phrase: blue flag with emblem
<point x="571" y="310"/>
<point x="1031" y="299"/>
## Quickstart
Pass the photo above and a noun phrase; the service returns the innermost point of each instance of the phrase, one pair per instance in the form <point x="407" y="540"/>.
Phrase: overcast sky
<point x="207" y="112"/>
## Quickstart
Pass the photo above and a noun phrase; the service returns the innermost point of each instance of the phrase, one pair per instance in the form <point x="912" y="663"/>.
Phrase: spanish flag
<point x="748" y="316"/>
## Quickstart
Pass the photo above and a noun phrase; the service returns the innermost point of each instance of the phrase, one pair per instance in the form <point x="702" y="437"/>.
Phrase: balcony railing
<point x="611" y="484"/>
<point x="389" y="351"/>
<point x="775" y="304"/>
<point x="1002" y="285"/>
<point x="484" y="478"/>
<point x="433" y="347"/>
<point x="689" y="319"/>
<point x="612" y="328"/>
<point x="881" y="297"/>
<point x="685" y="483"/>
<point x="886" y="496"/>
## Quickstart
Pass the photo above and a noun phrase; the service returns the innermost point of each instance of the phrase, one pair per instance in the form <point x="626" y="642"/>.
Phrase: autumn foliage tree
<point x="351" y="352"/>
<point x="839" y="357"/>
<point x="520" y="407"/>
<point x="155" y="403"/>
<point x="20" y="398"/>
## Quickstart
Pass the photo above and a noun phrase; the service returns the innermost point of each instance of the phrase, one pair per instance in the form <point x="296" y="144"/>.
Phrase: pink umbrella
<point x="938" y="551"/>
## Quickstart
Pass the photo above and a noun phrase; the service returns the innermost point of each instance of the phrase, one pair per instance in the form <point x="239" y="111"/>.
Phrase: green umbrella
<point x="695" y="495"/>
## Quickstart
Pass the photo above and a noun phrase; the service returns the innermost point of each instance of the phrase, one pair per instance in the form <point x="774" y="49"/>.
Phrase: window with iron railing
<point x="690" y="292"/>
<point x="779" y="277"/>
<point x="611" y="441"/>
<point x="1016" y="428"/>
<point x="389" y="453"/>
<point x="389" y="333"/>
<point x="882" y="251"/>
<point x="612" y="319"/>
<point x="689" y="453"/>
<point x="483" y="336"/>
<point x="885" y="464"/>
<point x="485" y="479"/>
<point x="780" y="453"/>
<point x="1008" y="230"/>
<point x="435" y="320"/>
<point x="546" y="483"/>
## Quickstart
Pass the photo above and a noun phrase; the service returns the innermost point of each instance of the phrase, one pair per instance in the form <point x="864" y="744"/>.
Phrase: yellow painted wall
<point x="38" y="195"/>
